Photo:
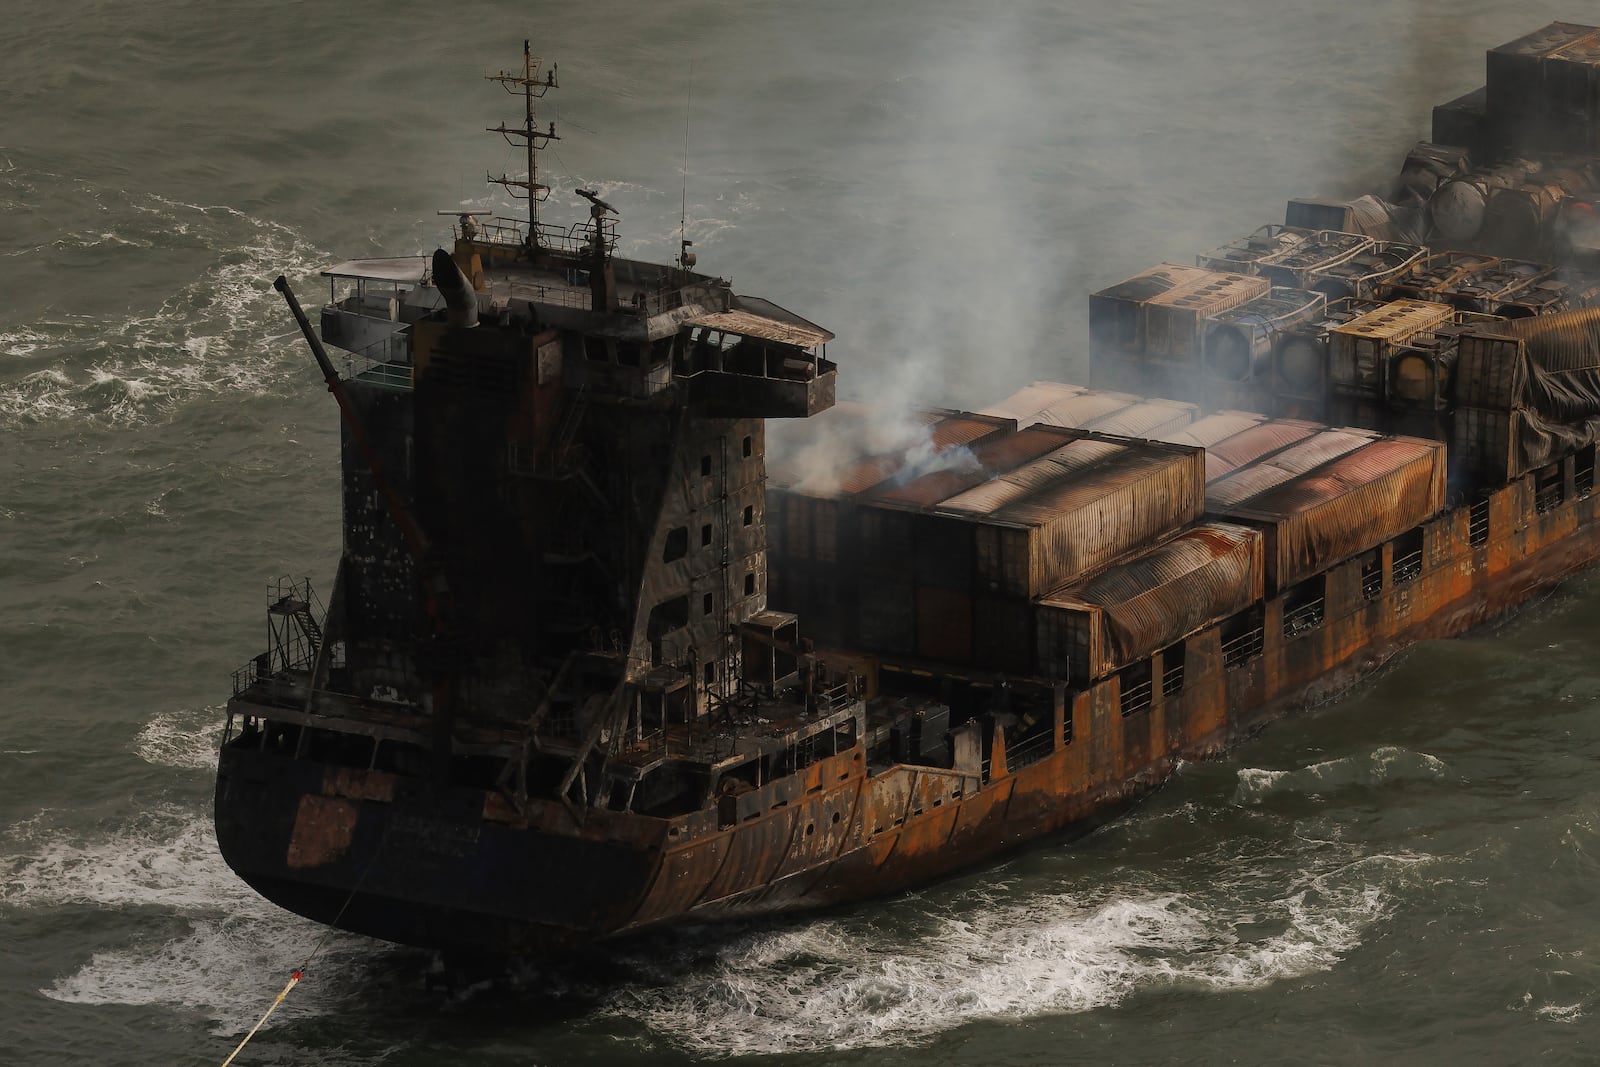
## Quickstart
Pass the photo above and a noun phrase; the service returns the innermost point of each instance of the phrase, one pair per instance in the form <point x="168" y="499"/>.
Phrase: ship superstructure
<point x="587" y="665"/>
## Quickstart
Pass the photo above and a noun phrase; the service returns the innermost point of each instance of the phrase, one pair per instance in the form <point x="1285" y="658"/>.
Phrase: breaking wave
<point x="235" y="951"/>
<point x="222" y="332"/>
<point x="838" y="983"/>
<point x="1382" y="766"/>
<point x="188" y="739"/>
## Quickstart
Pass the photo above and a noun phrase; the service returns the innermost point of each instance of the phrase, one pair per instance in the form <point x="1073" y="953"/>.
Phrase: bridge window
<point x="705" y="535"/>
<point x="705" y="604"/>
<point x="677" y="544"/>
<point x="749" y="514"/>
<point x="749" y="446"/>
<point x="667" y="616"/>
<point x="749" y="585"/>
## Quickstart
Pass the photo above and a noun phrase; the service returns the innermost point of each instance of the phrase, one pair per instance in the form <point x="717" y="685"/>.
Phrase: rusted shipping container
<point x="1152" y="418"/>
<point x="949" y="430"/>
<point x="1213" y="428"/>
<point x="1419" y="376"/>
<point x="1345" y="507"/>
<point x="1078" y="412"/>
<point x="1281" y="466"/>
<point x="1117" y="313"/>
<point x="1358" y="348"/>
<point x="1092" y="628"/>
<point x="1217" y="395"/>
<point x="995" y="455"/>
<point x="1238" y="342"/>
<point x="1367" y="412"/>
<point x="1483" y="444"/>
<point x="1087" y="520"/>
<point x="1254" y="444"/>
<point x="1025" y="404"/>
<point x="1297" y="267"/>
<point x="1490" y="370"/>
<point x="1463" y="121"/>
<point x="887" y="618"/>
<point x="1364" y="276"/>
<point x="1173" y="320"/>
<point x="944" y="624"/>
<point x="1066" y="462"/>
<point x="1002" y="634"/>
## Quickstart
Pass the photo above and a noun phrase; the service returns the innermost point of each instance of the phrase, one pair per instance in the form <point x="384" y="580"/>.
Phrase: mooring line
<point x="300" y="972"/>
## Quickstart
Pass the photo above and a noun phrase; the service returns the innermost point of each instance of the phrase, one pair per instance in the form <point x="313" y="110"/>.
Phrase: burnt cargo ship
<point x="588" y="665"/>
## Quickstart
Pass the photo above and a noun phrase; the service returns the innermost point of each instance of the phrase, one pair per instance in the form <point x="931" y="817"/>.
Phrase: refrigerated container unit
<point x="1358" y="350"/>
<point x="1541" y="94"/>
<point x="1366" y="216"/>
<point x="1244" y="255"/>
<point x="1434" y="274"/>
<point x="1487" y="288"/>
<point x="1364" y="276"/>
<point x="1117" y="324"/>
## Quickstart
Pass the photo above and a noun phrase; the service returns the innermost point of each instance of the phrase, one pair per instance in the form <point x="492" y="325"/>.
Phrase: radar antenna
<point x="530" y="136"/>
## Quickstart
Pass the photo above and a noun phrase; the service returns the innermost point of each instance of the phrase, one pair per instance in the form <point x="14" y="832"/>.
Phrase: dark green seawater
<point x="1407" y="875"/>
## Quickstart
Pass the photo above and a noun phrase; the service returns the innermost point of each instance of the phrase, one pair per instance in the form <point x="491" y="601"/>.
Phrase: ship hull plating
<point x="463" y="869"/>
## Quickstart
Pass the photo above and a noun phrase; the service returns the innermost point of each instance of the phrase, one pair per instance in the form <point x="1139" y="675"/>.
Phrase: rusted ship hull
<point x="463" y="870"/>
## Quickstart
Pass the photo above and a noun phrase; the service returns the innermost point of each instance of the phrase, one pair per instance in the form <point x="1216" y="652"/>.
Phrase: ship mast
<point x="531" y="137"/>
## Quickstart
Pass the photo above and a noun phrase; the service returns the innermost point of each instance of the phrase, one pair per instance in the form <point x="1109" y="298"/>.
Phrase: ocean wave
<point x="1382" y="766"/>
<point x="835" y="983"/>
<point x="188" y="739"/>
<point x="222" y="332"/>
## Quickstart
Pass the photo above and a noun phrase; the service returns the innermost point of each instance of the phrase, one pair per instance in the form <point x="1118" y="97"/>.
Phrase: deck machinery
<point x="588" y="666"/>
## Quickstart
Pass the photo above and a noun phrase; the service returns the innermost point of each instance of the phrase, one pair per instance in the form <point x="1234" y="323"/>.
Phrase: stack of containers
<point x="1541" y="91"/>
<point x="1238" y="347"/>
<point x="1145" y="331"/>
<point x="1359" y="352"/>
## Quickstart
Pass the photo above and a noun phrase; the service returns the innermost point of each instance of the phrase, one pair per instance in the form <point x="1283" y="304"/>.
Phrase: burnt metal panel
<point x="1153" y="418"/>
<point x="1346" y="507"/>
<point x="944" y="624"/>
<point x="995" y="455"/>
<point x="1259" y="476"/>
<point x="1096" y="626"/>
<point x="1254" y="443"/>
<point x="1024" y="404"/>
<point x="1213" y="428"/>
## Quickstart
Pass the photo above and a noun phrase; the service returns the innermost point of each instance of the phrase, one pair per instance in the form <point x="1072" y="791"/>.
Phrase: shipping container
<point x="1117" y="313"/>
<point x="1357" y="349"/>
<point x="1090" y="629"/>
<point x="1077" y="412"/>
<point x="1216" y="396"/>
<point x="1419" y="375"/>
<point x="1345" y="507"/>
<point x="1283" y="465"/>
<point x="887" y="614"/>
<point x="921" y="448"/>
<point x="944" y="624"/>
<point x="1367" y="412"/>
<point x="1254" y="444"/>
<point x="1483" y="445"/>
<point x="1238" y="342"/>
<point x="1149" y="418"/>
<point x="1295" y="268"/>
<point x="1464" y="121"/>
<point x="1002" y="634"/>
<point x="1087" y="520"/>
<point x="1066" y="462"/>
<point x="1489" y="286"/>
<point x="1024" y="405"/>
<point x="1173" y="319"/>
<point x="994" y="455"/>
<point x="1214" y="428"/>
<point x="1364" y="277"/>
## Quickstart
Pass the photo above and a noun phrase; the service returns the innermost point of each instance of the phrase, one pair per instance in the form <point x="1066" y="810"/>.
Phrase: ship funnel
<point x="459" y="298"/>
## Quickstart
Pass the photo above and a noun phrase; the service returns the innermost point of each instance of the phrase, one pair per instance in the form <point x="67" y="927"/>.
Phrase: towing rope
<point x="300" y="971"/>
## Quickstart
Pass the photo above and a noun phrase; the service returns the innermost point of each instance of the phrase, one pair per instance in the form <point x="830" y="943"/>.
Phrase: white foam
<point x="1382" y="766"/>
<point x="839" y="983"/>
<point x="220" y="333"/>
<point x="189" y="738"/>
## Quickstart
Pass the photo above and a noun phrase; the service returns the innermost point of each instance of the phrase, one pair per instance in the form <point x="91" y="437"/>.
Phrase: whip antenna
<point x="686" y="258"/>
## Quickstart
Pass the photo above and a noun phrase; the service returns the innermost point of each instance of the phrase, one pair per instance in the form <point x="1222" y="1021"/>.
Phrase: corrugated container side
<point x="1147" y="418"/>
<point x="1086" y="524"/>
<point x="1255" y="443"/>
<point x="1353" y="504"/>
<point x="887" y="615"/>
<point x="1275" y="469"/>
<point x="1152" y="600"/>
<point x="1067" y="633"/>
<point x="1489" y="371"/>
<point x="944" y="624"/>
<point x="1063" y="463"/>
<point x="1024" y="404"/>
<point x="995" y="455"/>
<point x="1213" y="428"/>
<point x="825" y="532"/>
<point x="884" y="543"/>
<point x="1084" y="408"/>
<point x="1002" y="632"/>
<point x="1117" y="313"/>
<point x="1483" y="444"/>
<point x="944" y="551"/>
